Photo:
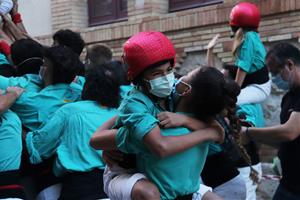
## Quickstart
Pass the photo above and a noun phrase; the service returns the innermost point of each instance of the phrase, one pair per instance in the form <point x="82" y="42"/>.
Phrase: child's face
<point x="157" y="72"/>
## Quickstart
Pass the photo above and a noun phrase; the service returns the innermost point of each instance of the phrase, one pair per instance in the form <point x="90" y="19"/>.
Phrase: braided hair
<point x="235" y="126"/>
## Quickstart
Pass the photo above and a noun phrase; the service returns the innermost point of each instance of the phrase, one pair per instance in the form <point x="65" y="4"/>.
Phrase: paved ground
<point x="268" y="184"/>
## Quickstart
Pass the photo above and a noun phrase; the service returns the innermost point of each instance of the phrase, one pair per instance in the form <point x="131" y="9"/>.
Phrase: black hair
<point x="66" y="63"/>
<point x="70" y="39"/>
<point x="139" y="79"/>
<point x="7" y="70"/>
<point x="99" y="54"/>
<point x="27" y="56"/>
<point x="102" y="86"/>
<point x="120" y="72"/>
<point x="210" y="93"/>
<point x="282" y="51"/>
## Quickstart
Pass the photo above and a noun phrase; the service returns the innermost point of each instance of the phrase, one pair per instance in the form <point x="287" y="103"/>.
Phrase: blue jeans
<point x="283" y="194"/>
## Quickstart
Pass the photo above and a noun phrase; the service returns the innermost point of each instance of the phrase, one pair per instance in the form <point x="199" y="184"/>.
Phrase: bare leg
<point x="145" y="190"/>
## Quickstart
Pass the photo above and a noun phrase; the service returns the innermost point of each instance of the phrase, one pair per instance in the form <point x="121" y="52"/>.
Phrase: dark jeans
<point x="282" y="194"/>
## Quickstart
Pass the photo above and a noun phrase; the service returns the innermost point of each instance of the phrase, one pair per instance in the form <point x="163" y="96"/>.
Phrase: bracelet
<point x="17" y="18"/>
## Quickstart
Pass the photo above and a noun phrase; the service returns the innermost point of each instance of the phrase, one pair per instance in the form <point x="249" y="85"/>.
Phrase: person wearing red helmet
<point x="249" y="52"/>
<point x="150" y="57"/>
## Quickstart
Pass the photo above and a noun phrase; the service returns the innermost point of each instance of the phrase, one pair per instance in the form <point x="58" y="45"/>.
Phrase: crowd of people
<point x="135" y="129"/>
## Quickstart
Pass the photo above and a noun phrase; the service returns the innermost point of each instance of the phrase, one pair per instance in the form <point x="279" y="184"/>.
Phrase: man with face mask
<point x="284" y="59"/>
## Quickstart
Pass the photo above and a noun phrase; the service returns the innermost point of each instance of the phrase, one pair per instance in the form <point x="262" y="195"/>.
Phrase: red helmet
<point x="145" y="49"/>
<point x="245" y="15"/>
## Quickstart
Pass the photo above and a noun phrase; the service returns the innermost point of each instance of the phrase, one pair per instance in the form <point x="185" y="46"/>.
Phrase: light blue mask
<point x="162" y="86"/>
<point x="280" y="83"/>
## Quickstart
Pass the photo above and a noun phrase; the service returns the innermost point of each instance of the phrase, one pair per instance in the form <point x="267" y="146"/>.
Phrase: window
<point x="175" y="5"/>
<point x="106" y="11"/>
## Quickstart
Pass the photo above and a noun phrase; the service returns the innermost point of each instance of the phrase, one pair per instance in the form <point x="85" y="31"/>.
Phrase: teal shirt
<point x="10" y="141"/>
<point x="34" y="108"/>
<point x="124" y="90"/>
<point x="175" y="175"/>
<point x="3" y="59"/>
<point x="67" y="134"/>
<point x="254" y="114"/>
<point x="78" y="83"/>
<point x="30" y="82"/>
<point x="251" y="54"/>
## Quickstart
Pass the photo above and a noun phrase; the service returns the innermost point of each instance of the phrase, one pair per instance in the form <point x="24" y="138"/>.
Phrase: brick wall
<point x="190" y="30"/>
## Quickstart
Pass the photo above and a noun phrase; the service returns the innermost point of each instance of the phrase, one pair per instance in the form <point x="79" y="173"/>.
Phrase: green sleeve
<point x="43" y="142"/>
<point x="4" y="82"/>
<point x="137" y="118"/>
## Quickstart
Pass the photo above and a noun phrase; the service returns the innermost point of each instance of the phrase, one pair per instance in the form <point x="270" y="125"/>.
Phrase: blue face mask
<point x="162" y="86"/>
<point x="280" y="83"/>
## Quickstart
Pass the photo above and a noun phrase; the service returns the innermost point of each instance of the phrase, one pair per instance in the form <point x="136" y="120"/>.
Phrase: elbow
<point x="94" y="143"/>
<point x="160" y="150"/>
<point x="291" y="134"/>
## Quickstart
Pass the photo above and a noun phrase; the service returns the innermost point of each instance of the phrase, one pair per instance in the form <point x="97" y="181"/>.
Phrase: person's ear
<point x="289" y="64"/>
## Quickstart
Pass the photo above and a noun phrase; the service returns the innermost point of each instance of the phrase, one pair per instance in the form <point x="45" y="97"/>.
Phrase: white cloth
<point x="50" y="193"/>
<point x="232" y="189"/>
<point x="6" y="6"/>
<point x="200" y="193"/>
<point x="254" y="93"/>
<point x="250" y="185"/>
<point x="11" y="199"/>
<point x="118" y="182"/>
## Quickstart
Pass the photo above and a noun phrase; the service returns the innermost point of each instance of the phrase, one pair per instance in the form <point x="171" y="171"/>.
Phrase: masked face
<point x="162" y="86"/>
<point x="280" y="83"/>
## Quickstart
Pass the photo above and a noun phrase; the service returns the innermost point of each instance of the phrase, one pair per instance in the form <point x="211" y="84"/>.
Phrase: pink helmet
<point x="145" y="49"/>
<point x="245" y="15"/>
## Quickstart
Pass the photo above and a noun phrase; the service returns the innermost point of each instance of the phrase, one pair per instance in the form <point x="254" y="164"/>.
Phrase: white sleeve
<point x="6" y="6"/>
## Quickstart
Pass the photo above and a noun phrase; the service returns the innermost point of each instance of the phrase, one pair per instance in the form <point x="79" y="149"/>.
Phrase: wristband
<point x="17" y="18"/>
<point x="4" y="48"/>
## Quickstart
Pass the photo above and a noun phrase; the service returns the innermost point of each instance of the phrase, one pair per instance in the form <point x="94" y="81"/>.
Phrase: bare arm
<point x="14" y="11"/>
<point x="104" y="137"/>
<point x="104" y="140"/>
<point x="170" y="120"/>
<point x="9" y="98"/>
<point x="165" y="146"/>
<point x="274" y="135"/>
<point x="209" y="53"/>
<point x="12" y="28"/>
<point x="240" y="77"/>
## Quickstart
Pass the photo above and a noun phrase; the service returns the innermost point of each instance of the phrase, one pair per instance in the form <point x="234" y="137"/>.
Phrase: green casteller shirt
<point x="10" y="141"/>
<point x="251" y="54"/>
<point x="254" y="114"/>
<point x="175" y="175"/>
<point x="67" y="134"/>
<point x="36" y="104"/>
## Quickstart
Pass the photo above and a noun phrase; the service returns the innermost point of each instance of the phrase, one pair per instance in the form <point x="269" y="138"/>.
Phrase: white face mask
<point x="162" y="86"/>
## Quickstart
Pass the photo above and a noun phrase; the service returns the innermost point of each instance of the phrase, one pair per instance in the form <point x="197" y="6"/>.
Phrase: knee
<point x="145" y="190"/>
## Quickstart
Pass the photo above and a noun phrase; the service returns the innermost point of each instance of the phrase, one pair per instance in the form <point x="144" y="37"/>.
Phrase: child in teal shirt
<point x="161" y="168"/>
<point x="252" y="74"/>
<point x="11" y="147"/>
<point x="66" y="135"/>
